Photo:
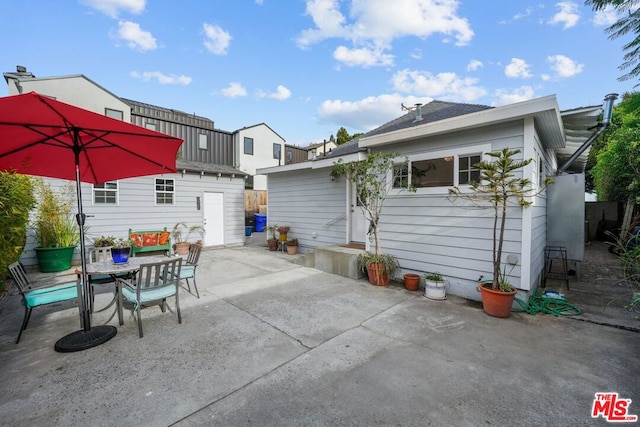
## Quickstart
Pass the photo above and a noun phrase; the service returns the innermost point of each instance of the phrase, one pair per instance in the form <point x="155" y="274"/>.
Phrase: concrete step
<point x="339" y="260"/>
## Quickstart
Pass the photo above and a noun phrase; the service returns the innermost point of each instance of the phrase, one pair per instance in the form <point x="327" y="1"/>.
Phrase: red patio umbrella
<point x="45" y="137"/>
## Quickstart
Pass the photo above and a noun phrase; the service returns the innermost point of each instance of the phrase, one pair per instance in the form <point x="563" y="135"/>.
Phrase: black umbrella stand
<point x="87" y="337"/>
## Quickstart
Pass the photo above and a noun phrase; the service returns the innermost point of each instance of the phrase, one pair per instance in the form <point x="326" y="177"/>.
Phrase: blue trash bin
<point x="261" y="222"/>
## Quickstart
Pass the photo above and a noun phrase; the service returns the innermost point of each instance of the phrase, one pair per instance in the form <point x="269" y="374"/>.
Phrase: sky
<point x="308" y="67"/>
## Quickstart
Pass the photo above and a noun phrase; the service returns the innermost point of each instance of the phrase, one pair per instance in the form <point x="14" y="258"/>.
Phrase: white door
<point x="213" y="220"/>
<point x="358" y="221"/>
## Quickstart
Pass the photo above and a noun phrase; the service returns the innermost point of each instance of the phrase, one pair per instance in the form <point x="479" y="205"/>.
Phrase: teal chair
<point x="188" y="270"/>
<point x="155" y="282"/>
<point x="36" y="296"/>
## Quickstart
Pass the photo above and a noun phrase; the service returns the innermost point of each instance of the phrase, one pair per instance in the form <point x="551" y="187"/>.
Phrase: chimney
<point x="418" y="113"/>
<point x="608" y="108"/>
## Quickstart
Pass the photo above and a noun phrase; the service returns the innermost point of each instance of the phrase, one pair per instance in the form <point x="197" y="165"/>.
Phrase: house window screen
<point x="203" y="141"/>
<point x="114" y="114"/>
<point x="165" y="190"/>
<point x="248" y="146"/>
<point x="432" y="172"/>
<point x="105" y="194"/>
<point x="467" y="172"/>
<point x="276" y="151"/>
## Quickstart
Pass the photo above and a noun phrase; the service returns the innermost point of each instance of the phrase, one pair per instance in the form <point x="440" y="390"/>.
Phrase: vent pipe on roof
<point x="418" y="113"/>
<point x="606" y="120"/>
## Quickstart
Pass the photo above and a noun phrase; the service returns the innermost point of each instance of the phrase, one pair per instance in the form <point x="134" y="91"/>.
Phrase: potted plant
<point x="104" y="242"/>
<point x="272" y="242"/>
<point x="370" y="178"/>
<point x="120" y="251"/>
<point x="434" y="286"/>
<point x="282" y="232"/>
<point x="56" y="230"/>
<point x="181" y="233"/>
<point x="411" y="281"/>
<point x="292" y="246"/>
<point x="500" y="188"/>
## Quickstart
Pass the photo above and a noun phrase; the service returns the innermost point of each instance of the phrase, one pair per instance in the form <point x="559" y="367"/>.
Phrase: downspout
<point x="606" y="120"/>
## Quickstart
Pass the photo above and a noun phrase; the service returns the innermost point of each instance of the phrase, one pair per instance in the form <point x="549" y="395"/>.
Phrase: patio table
<point x="113" y="269"/>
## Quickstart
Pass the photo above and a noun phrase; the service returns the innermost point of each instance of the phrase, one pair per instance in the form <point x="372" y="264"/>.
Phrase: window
<point x="151" y="126"/>
<point x="432" y="172"/>
<point x="401" y="174"/>
<point x="203" y="141"/>
<point x="105" y="194"/>
<point x="541" y="177"/>
<point x="276" y="151"/>
<point x="114" y="114"/>
<point x="289" y="155"/>
<point x="248" y="146"/>
<point x="467" y="172"/>
<point x="164" y="191"/>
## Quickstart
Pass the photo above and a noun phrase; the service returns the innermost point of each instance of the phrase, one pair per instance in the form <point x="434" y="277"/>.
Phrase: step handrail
<point x="336" y="219"/>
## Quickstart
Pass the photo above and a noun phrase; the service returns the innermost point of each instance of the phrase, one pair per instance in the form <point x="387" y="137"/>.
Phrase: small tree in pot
<point x="373" y="179"/>
<point x="181" y="233"/>
<point x="500" y="188"/>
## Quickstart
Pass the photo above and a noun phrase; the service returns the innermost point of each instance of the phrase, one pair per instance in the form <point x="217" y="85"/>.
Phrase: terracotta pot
<point x="411" y="281"/>
<point x="496" y="303"/>
<point x="377" y="274"/>
<point x="292" y="250"/>
<point x="182" y="248"/>
<point x="273" y="244"/>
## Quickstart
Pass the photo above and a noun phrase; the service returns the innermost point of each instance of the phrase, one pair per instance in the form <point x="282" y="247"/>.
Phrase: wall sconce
<point x="233" y="175"/>
<point x="333" y="176"/>
<point x="219" y="175"/>
<point x="183" y="172"/>
<point x="201" y="174"/>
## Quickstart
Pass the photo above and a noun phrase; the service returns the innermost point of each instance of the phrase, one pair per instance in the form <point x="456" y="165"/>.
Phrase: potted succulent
<point x="104" y="242"/>
<point x="56" y="230"/>
<point x="370" y="178"/>
<point x="181" y="233"/>
<point x="500" y="188"/>
<point x="434" y="286"/>
<point x="120" y="251"/>
<point x="282" y="232"/>
<point x="292" y="246"/>
<point x="272" y="242"/>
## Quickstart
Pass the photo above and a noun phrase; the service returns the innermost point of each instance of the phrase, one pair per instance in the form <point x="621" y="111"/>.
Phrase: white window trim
<point x="155" y="192"/>
<point x="117" y="190"/>
<point x="470" y="150"/>
<point x="200" y="141"/>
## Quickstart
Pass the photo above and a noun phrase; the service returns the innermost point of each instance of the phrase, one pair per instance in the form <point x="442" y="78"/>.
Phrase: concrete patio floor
<point x="271" y="342"/>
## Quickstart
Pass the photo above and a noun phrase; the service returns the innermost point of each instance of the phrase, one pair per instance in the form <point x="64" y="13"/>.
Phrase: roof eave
<point x="545" y="110"/>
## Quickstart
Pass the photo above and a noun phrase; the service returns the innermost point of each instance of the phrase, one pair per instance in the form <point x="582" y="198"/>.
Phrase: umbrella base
<point x="83" y="340"/>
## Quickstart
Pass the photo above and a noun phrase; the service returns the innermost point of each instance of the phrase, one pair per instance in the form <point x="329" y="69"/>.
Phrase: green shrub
<point x="55" y="225"/>
<point x="16" y="201"/>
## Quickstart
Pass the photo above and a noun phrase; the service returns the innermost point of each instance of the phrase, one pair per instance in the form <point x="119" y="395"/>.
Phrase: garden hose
<point x="539" y="303"/>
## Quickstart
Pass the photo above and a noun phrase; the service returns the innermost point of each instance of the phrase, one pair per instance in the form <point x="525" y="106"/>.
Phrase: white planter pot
<point x="435" y="290"/>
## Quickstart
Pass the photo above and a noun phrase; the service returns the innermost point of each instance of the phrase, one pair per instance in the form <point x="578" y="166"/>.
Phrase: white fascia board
<point x="467" y="121"/>
<point x="314" y="164"/>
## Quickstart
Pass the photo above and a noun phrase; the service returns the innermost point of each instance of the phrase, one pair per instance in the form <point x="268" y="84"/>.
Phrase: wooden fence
<point x="255" y="201"/>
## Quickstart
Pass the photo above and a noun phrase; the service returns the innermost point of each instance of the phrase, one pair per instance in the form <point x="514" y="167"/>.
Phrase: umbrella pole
<point x="87" y="337"/>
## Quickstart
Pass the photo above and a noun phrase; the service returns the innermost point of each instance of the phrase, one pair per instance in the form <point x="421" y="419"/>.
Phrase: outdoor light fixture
<point x="219" y="175"/>
<point x="183" y="172"/>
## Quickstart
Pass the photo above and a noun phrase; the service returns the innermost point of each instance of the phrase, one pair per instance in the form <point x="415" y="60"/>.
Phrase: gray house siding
<point x="136" y="208"/>
<point x="311" y="204"/>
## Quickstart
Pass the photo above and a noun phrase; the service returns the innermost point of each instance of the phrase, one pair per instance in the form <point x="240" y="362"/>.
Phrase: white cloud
<point x="363" y="57"/>
<point x="161" y="78"/>
<point x="568" y="15"/>
<point x="505" y="97"/>
<point x="564" y="66"/>
<point x="445" y="86"/>
<point x="367" y="113"/>
<point x="545" y="77"/>
<point x="259" y="2"/>
<point x="135" y="37"/>
<point x="517" y="69"/>
<point x="280" y="94"/>
<point x="605" y="17"/>
<point x="528" y="11"/>
<point x="113" y="7"/>
<point x="234" y="90"/>
<point x="474" y="64"/>
<point x="217" y="40"/>
<point x="374" y="24"/>
<point x="416" y="54"/>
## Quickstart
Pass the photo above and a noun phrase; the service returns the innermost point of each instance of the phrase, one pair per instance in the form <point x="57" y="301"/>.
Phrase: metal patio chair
<point x="188" y="270"/>
<point x="155" y="282"/>
<point x="33" y="296"/>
